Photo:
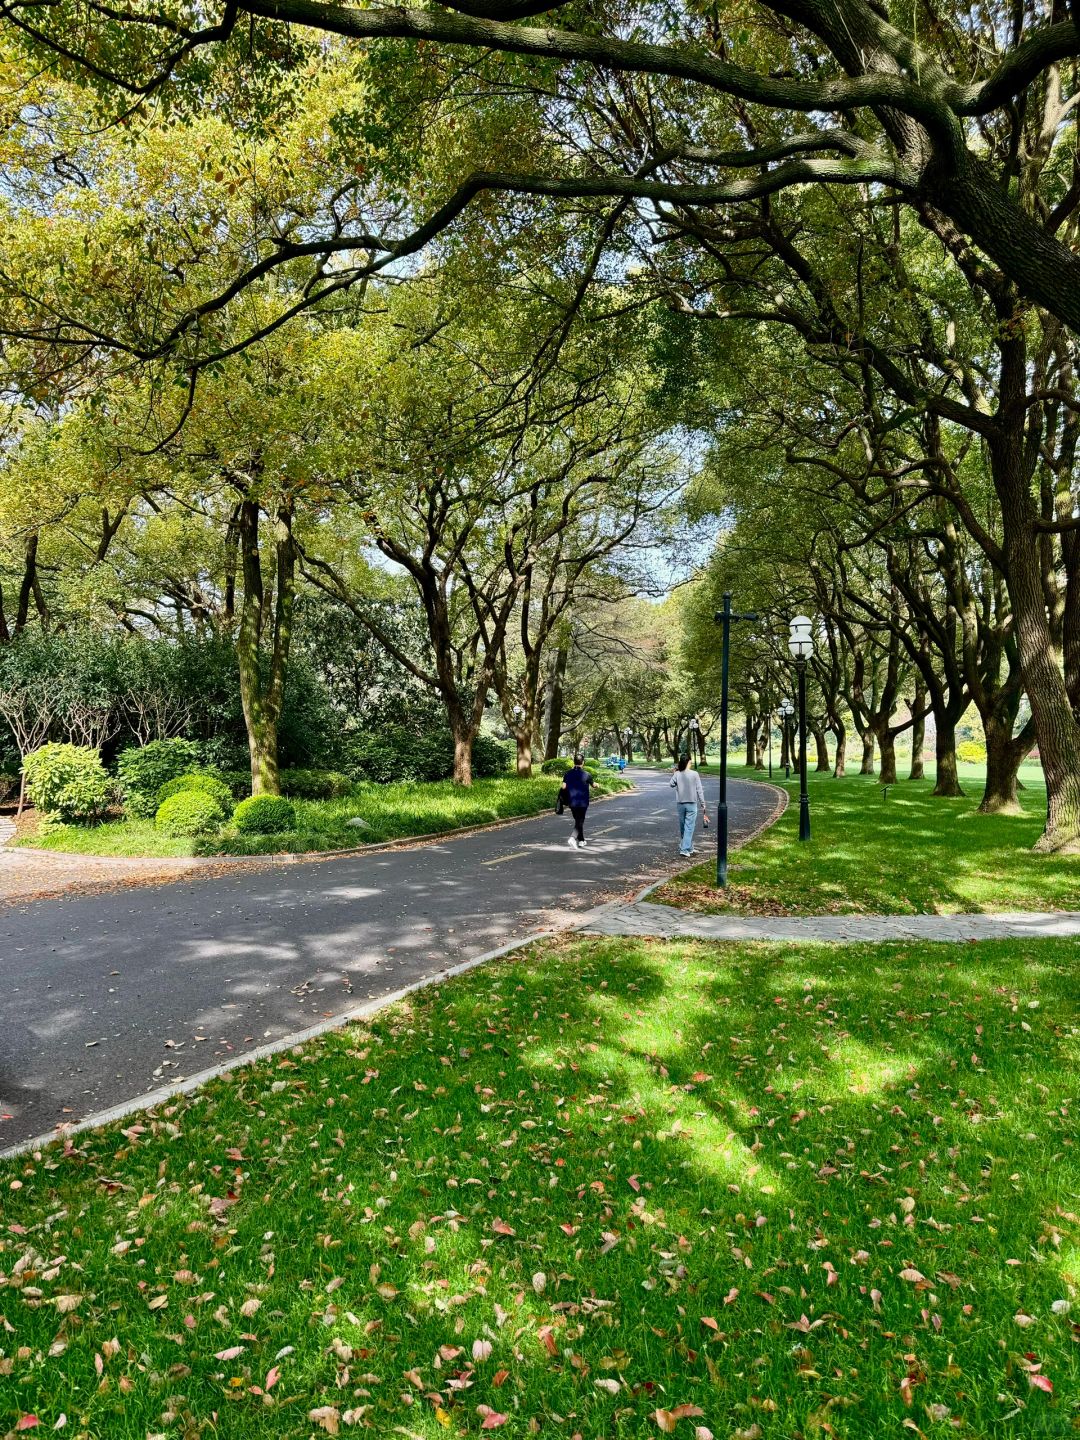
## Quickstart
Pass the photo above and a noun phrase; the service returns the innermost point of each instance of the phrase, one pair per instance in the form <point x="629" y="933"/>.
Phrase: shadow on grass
<point x="912" y="853"/>
<point x="800" y="1188"/>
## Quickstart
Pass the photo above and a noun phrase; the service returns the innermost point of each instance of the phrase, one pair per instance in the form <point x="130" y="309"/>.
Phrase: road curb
<point x="150" y="1100"/>
<point x="193" y="863"/>
<point x="780" y="804"/>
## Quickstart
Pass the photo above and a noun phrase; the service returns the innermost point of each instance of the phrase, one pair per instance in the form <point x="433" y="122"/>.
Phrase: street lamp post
<point x="768" y="722"/>
<point x="628" y="736"/>
<point x="801" y="645"/>
<point x="695" y="730"/>
<point x="786" y="712"/>
<point x="724" y="618"/>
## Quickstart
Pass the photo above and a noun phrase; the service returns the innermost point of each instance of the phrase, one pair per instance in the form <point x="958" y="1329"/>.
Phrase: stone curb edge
<point x="153" y="1098"/>
<point x="780" y="804"/>
<point x="189" y="864"/>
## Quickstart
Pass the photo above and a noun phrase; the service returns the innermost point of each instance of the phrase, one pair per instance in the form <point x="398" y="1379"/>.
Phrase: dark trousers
<point x="578" y="812"/>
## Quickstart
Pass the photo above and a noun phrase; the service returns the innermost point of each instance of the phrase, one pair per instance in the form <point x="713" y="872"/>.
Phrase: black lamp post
<point x="801" y="645"/>
<point x="695" y="745"/>
<point x="628" y="736"/>
<point x="768" y="722"/>
<point x="724" y="618"/>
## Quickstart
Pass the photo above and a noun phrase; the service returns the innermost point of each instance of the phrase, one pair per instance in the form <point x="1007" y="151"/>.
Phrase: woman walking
<point x="575" y="793"/>
<point x="689" y="796"/>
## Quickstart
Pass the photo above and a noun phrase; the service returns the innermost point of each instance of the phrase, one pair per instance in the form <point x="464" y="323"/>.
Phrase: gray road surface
<point x="111" y="995"/>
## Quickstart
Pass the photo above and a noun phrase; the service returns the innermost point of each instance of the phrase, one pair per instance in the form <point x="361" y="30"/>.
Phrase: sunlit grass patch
<point x="914" y="853"/>
<point x="786" y="1186"/>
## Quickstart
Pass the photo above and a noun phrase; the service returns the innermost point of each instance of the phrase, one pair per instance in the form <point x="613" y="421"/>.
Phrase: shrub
<point x="264" y="815"/>
<point x="558" y="766"/>
<point x="315" y="784"/>
<point x="201" y="780"/>
<point x="396" y="754"/>
<point x="238" y="781"/>
<point x="8" y="785"/>
<point x="489" y="757"/>
<point x="188" y="812"/>
<point x="67" y="781"/>
<point x="144" y="769"/>
<point x="971" y="751"/>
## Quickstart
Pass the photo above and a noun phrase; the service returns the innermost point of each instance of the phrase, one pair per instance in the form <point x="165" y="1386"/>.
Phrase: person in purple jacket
<point x="575" y="793"/>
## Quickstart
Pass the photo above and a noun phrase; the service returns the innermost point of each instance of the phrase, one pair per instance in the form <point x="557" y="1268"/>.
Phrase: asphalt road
<point x="108" y="996"/>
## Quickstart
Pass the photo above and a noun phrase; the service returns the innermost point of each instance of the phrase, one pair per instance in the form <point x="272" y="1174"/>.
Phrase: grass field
<point x="743" y="1191"/>
<point x="389" y="812"/>
<point x="909" y="852"/>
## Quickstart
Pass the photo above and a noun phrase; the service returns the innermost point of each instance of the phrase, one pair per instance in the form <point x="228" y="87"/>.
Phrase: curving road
<point x="109" y="996"/>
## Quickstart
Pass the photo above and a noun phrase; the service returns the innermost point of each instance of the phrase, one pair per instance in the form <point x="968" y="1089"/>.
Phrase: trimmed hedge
<point x="973" y="752"/>
<point x="67" y="781"/>
<point x="264" y="815"/>
<point x="202" y="780"/>
<point x="144" y="769"/>
<point x="188" y="812"/>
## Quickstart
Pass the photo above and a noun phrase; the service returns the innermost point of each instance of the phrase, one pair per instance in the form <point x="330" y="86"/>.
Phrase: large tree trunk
<point x="887" y="745"/>
<point x="751" y="741"/>
<point x="262" y="696"/>
<point x="463" y="738"/>
<point x="947" y="782"/>
<point x="822" y="745"/>
<point x="867" y="765"/>
<point x="523" y="738"/>
<point x="839" y="730"/>
<point x="999" y="791"/>
<point x="1055" y="724"/>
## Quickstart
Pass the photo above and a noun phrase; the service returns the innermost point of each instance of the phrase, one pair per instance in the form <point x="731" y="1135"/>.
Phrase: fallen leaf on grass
<point x="327" y="1417"/>
<point x="492" y="1418"/>
<point x="481" y="1350"/>
<point x="501" y="1227"/>
<point x="230" y="1354"/>
<point x="1041" y="1382"/>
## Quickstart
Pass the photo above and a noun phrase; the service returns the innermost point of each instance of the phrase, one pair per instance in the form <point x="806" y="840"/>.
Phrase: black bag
<point x="559" y="806"/>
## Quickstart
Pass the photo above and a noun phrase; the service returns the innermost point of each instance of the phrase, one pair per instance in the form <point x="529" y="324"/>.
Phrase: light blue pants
<point x="687" y="825"/>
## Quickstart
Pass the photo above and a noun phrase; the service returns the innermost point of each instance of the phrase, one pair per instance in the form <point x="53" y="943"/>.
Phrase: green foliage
<point x="187" y="813"/>
<point x="204" y="780"/>
<point x="8" y="785"/>
<point x="67" y="781"/>
<point x="490" y="757"/>
<point x="264" y="815"/>
<point x="314" y="784"/>
<point x="238" y="781"/>
<point x="396" y="754"/>
<point x="144" y="769"/>
<point x="558" y="766"/>
<point x="972" y="752"/>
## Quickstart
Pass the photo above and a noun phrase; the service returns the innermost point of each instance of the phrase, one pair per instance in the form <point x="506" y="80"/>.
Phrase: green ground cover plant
<point x="389" y="812"/>
<point x="908" y="853"/>
<point x="767" y="1191"/>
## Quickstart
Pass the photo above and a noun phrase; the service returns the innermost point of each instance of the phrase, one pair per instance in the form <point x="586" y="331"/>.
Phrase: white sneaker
<point x="572" y="842"/>
<point x="581" y="844"/>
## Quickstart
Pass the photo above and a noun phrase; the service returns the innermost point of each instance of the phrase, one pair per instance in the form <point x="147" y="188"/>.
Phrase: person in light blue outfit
<point x="689" y="797"/>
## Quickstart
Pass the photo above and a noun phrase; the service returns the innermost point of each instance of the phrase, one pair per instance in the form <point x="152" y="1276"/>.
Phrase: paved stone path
<point x="667" y="923"/>
<point x="7" y="829"/>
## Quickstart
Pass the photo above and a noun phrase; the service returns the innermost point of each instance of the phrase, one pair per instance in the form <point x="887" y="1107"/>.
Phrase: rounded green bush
<point x="973" y="752"/>
<point x="558" y="766"/>
<point x="264" y="815"/>
<point x="67" y="781"/>
<point x="203" y="781"/>
<point x="188" y="812"/>
<point x="144" y="769"/>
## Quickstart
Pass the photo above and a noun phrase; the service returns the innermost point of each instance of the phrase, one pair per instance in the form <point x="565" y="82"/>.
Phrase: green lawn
<point x="389" y="812"/>
<point x="769" y="1191"/>
<point x="908" y="853"/>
